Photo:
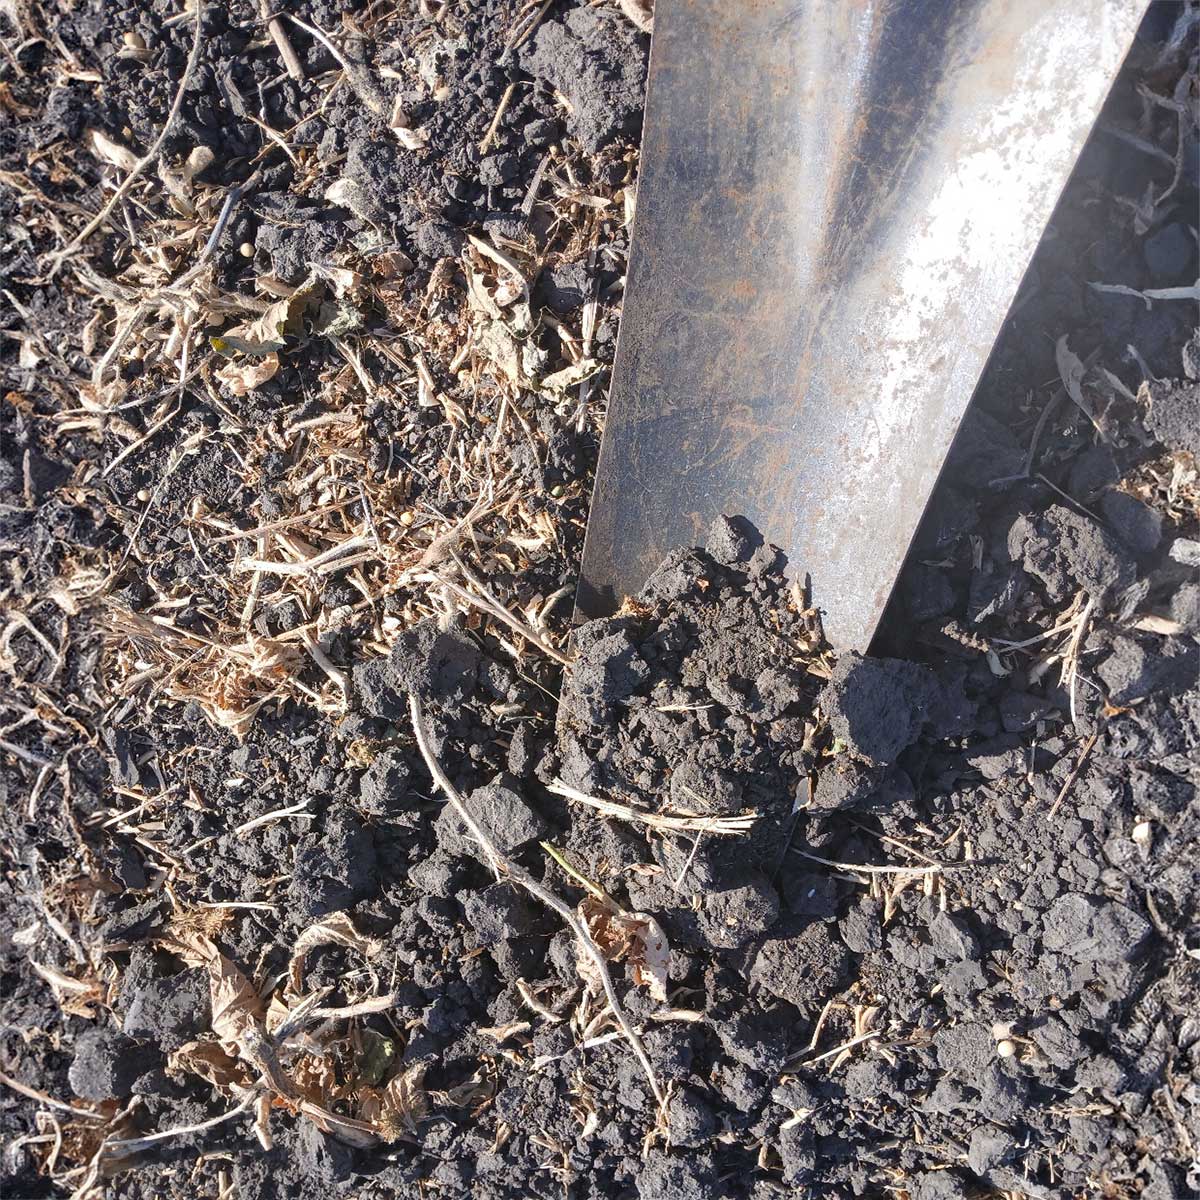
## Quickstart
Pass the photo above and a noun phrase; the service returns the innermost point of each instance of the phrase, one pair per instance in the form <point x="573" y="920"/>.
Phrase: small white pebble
<point x="246" y="250"/>
<point x="143" y="495"/>
<point x="134" y="40"/>
<point x="1006" y="1048"/>
<point x="1001" y="1030"/>
<point x="406" y="518"/>
<point x="1141" y="833"/>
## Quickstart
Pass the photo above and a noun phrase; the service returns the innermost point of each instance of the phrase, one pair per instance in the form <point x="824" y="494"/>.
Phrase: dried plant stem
<point x="483" y="599"/>
<point x="522" y="877"/>
<point x="1070" y="779"/>
<point x="151" y="155"/>
<point x="279" y="36"/>
<point x="33" y="1094"/>
<point x="132" y="1145"/>
<point x="1071" y="658"/>
<point x="677" y="822"/>
<point x="932" y="869"/>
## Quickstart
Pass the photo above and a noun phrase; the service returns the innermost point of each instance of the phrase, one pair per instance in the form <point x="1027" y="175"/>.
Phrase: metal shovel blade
<point x="838" y="200"/>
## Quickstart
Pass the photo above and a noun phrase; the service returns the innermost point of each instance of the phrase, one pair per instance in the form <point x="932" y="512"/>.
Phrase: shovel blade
<point x="837" y="203"/>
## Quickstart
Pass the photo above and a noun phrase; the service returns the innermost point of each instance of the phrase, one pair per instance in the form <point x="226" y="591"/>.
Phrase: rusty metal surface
<point x="837" y="203"/>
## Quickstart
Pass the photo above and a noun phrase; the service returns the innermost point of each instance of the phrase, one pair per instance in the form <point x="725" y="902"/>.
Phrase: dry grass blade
<point x="336" y="929"/>
<point x="33" y="1094"/>
<point x="864" y="869"/>
<point x="522" y="877"/>
<point x="674" y="822"/>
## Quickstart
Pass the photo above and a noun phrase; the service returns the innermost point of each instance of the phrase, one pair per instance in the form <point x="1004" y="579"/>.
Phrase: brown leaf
<point x="395" y="1111"/>
<point x="636" y="937"/>
<point x="245" y="374"/>
<point x="102" y="146"/>
<point x="236" y="1008"/>
<point x="345" y="1129"/>
<point x="237" y="1011"/>
<point x="212" y="1062"/>
<point x="651" y="954"/>
<point x="337" y="929"/>
<point x="74" y="996"/>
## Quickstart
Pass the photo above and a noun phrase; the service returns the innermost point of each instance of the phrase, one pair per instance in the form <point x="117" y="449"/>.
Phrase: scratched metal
<point x="837" y="203"/>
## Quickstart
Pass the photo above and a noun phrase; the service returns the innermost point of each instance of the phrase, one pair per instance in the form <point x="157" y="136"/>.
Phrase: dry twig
<point x="520" y="876"/>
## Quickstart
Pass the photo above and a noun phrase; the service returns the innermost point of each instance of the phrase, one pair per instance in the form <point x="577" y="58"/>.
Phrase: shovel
<point x="838" y="200"/>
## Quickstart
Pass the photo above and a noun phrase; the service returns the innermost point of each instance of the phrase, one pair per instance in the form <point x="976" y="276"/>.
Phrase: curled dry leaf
<point x="337" y="929"/>
<point x="236" y="1009"/>
<point x="395" y="1110"/>
<point x="266" y="334"/>
<point x="1072" y="370"/>
<point x="650" y="954"/>
<point x="212" y="1062"/>
<point x="103" y="147"/>
<point x="245" y="374"/>
<point x="346" y="1129"/>
<point x="412" y="139"/>
<point x="74" y="996"/>
<point x="636" y="937"/>
<point x="568" y="377"/>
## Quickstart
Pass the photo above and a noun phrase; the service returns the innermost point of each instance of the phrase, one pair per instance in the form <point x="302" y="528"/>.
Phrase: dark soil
<point x="931" y="923"/>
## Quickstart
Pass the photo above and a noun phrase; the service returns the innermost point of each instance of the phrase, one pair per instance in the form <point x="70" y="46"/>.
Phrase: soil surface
<point x="299" y="440"/>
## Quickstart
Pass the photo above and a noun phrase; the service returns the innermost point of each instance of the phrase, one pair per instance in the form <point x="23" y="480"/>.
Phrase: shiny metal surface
<point x="836" y="206"/>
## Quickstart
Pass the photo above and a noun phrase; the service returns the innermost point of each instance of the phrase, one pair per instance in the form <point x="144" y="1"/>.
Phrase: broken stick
<point x="522" y="877"/>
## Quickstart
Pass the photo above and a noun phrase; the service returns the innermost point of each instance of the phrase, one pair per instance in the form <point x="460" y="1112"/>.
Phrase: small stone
<point x="501" y="811"/>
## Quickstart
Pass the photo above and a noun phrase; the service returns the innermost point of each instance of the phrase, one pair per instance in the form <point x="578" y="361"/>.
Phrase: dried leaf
<point x="338" y="930"/>
<point x="1072" y="371"/>
<point x="636" y="937"/>
<point x="103" y="147"/>
<point x="212" y="1062"/>
<point x="1156" y="624"/>
<point x="345" y="1129"/>
<point x="244" y="375"/>
<point x="348" y="193"/>
<point x="568" y="377"/>
<point x="236" y="1008"/>
<point x="412" y="139"/>
<point x="398" y="1108"/>
<point x="613" y="938"/>
<point x="237" y="1011"/>
<point x="391" y="264"/>
<point x="75" y="997"/>
<point x="650" y="955"/>
<point x="500" y="259"/>
<point x="343" y="281"/>
<point x="337" y="320"/>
